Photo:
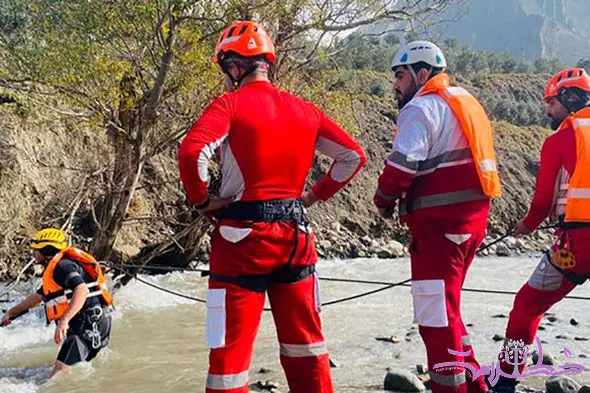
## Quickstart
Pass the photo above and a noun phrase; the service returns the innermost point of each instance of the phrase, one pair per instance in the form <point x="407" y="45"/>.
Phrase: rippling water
<point x="158" y="342"/>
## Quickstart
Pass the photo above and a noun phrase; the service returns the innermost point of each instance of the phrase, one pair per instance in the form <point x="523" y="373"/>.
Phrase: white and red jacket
<point x="266" y="139"/>
<point x="431" y="169"/>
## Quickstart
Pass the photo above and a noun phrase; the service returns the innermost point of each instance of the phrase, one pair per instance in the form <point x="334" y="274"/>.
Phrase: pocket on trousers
<point x="316" y="292"/>
<point x="546" y="277"/>
<point x="233" y="234"/>
<point x="430" y="308"/>
<point x="216" y="318"/>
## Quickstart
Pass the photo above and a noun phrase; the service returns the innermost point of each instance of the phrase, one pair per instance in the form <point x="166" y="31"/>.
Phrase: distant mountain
<point x="528" y="29"/>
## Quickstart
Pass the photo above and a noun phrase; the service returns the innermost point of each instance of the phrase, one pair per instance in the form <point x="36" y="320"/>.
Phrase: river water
<point x="158" y="341"/>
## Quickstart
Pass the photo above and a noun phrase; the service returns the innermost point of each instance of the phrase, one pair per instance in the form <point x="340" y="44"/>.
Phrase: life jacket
<point x="475" y="126"/>
<point x="577" y="207"/>
<point x="57" y="299"/>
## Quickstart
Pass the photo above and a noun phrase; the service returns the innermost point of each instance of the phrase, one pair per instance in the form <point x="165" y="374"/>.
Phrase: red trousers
<point x="439" y="266"/>
<point x="233" y="313"/>
<point x="545" y="287"/>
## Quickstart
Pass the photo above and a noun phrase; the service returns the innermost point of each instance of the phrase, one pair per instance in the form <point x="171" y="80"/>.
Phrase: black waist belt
<point x="259" y="283"/>
<point x="274" y="210"/>
<point x="572" y="224"/>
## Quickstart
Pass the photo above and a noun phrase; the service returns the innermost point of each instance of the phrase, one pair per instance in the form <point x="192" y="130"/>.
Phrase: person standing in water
<point x="76" y="299"/>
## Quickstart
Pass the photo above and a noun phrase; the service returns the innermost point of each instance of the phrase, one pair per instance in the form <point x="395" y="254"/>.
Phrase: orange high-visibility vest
<point x="577" y="208"/>
<point x="57" y="300"/>
<point x="475" y="126"/>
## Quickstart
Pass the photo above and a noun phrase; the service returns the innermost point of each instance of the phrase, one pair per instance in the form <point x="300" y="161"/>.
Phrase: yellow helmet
<point x="49" y="237"/>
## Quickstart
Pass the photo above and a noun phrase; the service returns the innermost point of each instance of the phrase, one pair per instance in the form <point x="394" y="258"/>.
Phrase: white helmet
<point x="417" y="51"/>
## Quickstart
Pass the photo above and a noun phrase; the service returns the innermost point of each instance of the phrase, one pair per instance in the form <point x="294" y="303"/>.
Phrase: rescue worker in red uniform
<point x="562" y="193"/>
<point x="262" y="241"/>
<point x="76" y="298"/>
<point x="442" y="173"/>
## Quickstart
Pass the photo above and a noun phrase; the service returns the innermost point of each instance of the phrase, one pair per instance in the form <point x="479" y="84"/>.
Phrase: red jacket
<point x="266" y="139"/>
<point x="558" y="160"/>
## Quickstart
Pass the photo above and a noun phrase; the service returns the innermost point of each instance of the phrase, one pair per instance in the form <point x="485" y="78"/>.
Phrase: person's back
<point x="263" y="241"/>
<point x="445" y="167"/>
<point x="268" y="141"/>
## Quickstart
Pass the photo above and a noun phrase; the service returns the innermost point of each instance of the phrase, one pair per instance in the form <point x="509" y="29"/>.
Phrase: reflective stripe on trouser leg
<point x="227" y="381"/>
<point x="439" y="267"/>
<point x="233" y="317"/>
<point x="304" y="352"/>
<point x="454" y="381"/>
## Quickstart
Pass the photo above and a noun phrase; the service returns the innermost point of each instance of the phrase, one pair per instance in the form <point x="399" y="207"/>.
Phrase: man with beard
<point x="442" y="170"/>
<point x="562" y="193"/>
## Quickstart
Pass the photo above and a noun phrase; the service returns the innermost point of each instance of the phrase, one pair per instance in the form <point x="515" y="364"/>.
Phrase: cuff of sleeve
<point x="322" y="192"/>
<point x="203" y="205"/>
<point x="73" y="281"/>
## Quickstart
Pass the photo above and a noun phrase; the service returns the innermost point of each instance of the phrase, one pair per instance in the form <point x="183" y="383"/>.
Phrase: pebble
<point x="561" y="384"/>
<point x="502" y="250"/>
<point x="548" y="358"/>
<point x="390" y="339"/>
<point x="403" y="382"/>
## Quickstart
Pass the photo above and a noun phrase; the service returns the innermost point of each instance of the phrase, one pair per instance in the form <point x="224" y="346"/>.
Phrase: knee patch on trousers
<point x="545" y="277"/>
<point x="430" y="308"/>
<point x="216" y="316"/>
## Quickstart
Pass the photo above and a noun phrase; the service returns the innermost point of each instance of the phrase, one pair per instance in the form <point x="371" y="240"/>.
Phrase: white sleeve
<point x="414" y="134"/>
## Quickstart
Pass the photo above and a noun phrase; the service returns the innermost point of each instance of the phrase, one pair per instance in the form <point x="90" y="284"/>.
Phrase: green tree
<point x="132" y="67"/>
<point x="140" y="70"/>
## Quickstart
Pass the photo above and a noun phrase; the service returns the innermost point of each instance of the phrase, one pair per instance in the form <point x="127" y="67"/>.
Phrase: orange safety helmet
<point x="567" y="78"/>
<point x="246" y="38"/>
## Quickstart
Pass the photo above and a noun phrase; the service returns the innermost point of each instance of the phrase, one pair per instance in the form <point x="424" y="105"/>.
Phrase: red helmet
<point x="246" y="38"/>
<point x="569" y="77"/>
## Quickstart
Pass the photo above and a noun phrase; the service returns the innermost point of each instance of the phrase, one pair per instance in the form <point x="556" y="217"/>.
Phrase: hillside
<point x="526" y="29"/>
<point x="42" y="183"/>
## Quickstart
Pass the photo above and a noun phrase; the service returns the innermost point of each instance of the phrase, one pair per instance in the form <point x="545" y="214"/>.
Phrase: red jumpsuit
<point x="266" y="139"/>
<point x="547" y="285"/>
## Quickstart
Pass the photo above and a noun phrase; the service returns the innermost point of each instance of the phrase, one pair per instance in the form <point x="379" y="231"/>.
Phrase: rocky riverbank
<point x="41" y="180"/>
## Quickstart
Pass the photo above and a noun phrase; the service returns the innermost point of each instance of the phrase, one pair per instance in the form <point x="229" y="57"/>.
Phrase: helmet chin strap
<point x="414" y="76"/>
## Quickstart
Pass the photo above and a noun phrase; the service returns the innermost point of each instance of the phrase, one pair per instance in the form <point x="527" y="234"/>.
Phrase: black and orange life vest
<point x="57" y="299"/>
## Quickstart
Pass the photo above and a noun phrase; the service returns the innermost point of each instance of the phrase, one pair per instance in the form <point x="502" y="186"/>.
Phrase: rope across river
<point x="385" y="285"/>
